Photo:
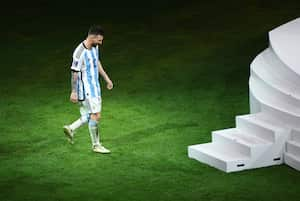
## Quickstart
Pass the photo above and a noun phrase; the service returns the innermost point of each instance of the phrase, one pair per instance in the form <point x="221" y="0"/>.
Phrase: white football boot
<point x="100" y="149"/>
<point x="69" y="133"/>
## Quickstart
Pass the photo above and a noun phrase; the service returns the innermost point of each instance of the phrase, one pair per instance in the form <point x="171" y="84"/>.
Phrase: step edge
<point x="253" y="145"/>
<point x="244" y="157"/>
<point x="260" y="122"/>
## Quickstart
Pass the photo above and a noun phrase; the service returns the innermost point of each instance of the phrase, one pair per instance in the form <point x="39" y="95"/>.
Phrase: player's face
<point x="97" y="40"/>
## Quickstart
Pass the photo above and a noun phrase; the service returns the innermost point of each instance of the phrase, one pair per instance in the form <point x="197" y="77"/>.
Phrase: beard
<point x="96" y="44"/>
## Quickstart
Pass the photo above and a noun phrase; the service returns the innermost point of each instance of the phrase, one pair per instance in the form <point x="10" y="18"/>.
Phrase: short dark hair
<point x="96" y="30"/>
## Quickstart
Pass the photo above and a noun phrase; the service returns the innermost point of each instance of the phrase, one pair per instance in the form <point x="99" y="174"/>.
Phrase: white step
<point x="260" y="126"/>
<point x="280" y="98"/>
<point x="244" y="143"/>
<point x="284" y="72"/>
<point x="293" y="148"/>
<point x="289" y="120"/>
<point x="295" y="135"/>
<point x="214" y="155"/>
<point x="275" y="108"/>
<point x="268" y="67"/>
<point x="292" y="160"/>
<point x="285" y="41"/>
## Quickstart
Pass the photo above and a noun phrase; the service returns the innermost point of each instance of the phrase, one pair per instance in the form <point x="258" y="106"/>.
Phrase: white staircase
<point x="292" y="150"/>
<point x="270" y="135"/>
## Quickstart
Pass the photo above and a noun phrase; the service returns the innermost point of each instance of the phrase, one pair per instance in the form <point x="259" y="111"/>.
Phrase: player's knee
<point x="95" y="116"/>
<point x="92" y="117"/>
<point x="85" y="118"/>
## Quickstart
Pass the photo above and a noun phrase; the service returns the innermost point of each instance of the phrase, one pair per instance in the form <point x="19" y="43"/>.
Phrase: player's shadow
<point x="150" y="132"/>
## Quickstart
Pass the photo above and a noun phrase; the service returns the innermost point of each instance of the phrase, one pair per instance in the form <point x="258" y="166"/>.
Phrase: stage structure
<point x="270" y="135"/>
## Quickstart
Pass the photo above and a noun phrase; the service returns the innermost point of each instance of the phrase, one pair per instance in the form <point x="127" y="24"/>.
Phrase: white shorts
<point x="90" y="105"/>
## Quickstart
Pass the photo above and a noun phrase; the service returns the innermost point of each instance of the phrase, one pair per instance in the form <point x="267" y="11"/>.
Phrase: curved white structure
<point x="270" y="135"/>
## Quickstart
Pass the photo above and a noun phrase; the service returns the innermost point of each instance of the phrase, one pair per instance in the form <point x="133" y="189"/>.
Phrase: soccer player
<point x="86" y="90"/>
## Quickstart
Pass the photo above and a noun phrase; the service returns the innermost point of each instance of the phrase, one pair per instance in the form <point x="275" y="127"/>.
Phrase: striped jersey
<point x="85" y="62"/>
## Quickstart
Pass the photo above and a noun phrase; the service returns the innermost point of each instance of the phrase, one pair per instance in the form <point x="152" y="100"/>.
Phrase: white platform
<point x="270" y="135"/>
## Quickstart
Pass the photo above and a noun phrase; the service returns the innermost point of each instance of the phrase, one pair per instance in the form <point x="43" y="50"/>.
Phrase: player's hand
<point x="109" y="85"/>
<point x="73" y="97"/>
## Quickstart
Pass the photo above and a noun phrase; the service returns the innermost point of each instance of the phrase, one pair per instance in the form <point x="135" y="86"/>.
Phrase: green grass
<point x="180" y="71"/>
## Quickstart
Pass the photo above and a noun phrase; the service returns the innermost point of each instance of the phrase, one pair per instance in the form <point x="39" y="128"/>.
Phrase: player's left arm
<point x="109" y="83"/>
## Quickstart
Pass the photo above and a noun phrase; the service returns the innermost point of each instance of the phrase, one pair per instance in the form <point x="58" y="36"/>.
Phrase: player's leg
<point x="95" y="109"/>
<point x="93" y="129"/>
<point x="69" y="130"/>
<point x="83" y="118"/>
<point x="94" y="133"/>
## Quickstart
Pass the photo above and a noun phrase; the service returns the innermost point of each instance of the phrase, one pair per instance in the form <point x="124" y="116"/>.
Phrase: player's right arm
<point x="75" y="69"/>
<point x="74" y="78"/>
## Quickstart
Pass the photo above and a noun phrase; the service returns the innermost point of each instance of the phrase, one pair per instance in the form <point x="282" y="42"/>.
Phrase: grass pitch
<point x="180" y="71"/>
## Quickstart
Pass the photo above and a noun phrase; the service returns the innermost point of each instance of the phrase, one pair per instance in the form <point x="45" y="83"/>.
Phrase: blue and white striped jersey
<point x="85" y="61"/>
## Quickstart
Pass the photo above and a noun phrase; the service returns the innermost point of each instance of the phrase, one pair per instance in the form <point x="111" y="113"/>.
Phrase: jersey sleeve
<point x="76" y="66"/>
<point x="77" y="60"/>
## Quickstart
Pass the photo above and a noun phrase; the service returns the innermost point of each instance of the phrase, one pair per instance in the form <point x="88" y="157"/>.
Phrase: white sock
<point x="93" y="128"/>
<point x="79" y="122"/>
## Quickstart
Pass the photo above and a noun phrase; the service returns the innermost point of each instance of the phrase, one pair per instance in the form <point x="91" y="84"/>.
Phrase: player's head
<point x="95" y="34"/>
